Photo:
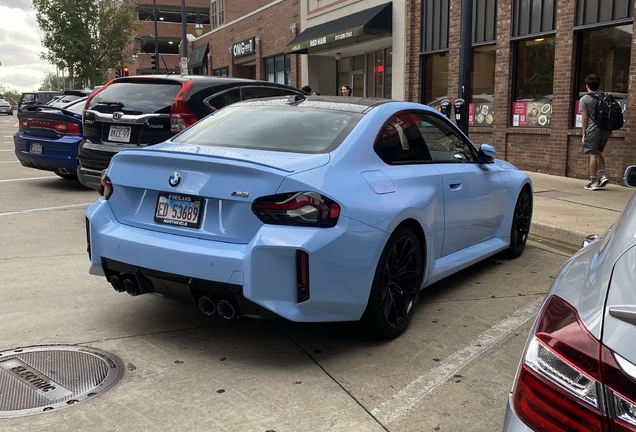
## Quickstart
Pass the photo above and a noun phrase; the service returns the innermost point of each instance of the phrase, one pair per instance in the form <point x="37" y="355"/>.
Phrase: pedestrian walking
<point x="594" y="138"/>
<point x="345" y="90"/>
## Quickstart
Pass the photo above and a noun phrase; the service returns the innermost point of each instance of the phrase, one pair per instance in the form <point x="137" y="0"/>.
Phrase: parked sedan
<point x="578" y="370"/>
<point x="48" y="137"/>
<point x="309" y="208"/>
<point x="5" y="107"/>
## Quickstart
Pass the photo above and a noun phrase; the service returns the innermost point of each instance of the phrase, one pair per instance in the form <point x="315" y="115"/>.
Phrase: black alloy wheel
<point x="396" y="285"/>
<point x="520" y="225"/>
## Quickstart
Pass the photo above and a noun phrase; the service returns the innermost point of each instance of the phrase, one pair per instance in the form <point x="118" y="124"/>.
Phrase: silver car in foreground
<point x="578" y="370"/>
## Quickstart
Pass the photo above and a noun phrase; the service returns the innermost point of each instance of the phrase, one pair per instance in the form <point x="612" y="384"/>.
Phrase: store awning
<point x="363" y="25"/>
<point x="199" y="55"/>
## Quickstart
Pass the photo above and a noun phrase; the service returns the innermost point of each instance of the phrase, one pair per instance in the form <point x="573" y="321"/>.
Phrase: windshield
<point x="136" y="97"/>
<point x="278" y="128"/>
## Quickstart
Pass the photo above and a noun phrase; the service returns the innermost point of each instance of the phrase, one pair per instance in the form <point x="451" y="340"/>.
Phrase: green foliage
<point x="55" y="82"/>
<point x="12" y="96"/>
<point x="86" y="37"/>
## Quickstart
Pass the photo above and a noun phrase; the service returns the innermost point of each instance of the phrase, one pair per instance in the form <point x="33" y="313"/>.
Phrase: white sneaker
<point x="602" y="182"/>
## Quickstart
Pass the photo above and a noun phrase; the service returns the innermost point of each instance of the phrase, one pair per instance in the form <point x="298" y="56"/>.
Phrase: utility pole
<point x="154" y="16"/>
<point x="465" y="61"/>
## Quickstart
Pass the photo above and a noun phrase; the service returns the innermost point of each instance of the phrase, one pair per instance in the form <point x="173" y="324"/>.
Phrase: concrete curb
<point x="569" y="239"/>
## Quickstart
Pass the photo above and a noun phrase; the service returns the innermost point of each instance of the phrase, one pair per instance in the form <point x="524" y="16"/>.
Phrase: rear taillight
<point x="181" y="116"/>
<point x="565" y="380"/>
<point x="297" y="208"/>
<point x="106" y="186"/>
<point x="64" y="128"/>
<point x="95" y="93"/>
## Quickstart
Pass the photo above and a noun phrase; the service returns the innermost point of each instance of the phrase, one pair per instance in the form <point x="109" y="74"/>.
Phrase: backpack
<point x="609" y="113"/>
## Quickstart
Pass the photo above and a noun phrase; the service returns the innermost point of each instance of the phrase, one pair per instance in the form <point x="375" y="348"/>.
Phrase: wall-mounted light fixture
<point x="198" y="27"/>
<point x="338" y="56"/>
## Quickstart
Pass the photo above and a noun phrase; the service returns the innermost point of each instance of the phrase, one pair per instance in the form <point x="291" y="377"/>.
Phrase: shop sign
<point x="318" y="41"/>
<point x="244" y="48"/>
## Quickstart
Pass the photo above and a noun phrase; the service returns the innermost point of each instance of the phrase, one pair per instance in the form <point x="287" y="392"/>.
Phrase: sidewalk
<point x="565" y="213"/>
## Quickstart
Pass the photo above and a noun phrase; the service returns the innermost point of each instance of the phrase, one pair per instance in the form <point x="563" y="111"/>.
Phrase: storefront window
<point x="435" y="79"/>
<point x="605" y="52"/>
<point x="482" y="83"/>
<point x="278" y="68"/>
<point x="533" y="83"/>
<point x="221" y="72"/>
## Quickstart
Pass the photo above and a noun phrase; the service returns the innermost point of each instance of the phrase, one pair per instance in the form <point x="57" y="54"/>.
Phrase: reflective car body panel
<point x="463" y="208"/>
<point x="48" y="137"/>
<point x="598" y="282"/>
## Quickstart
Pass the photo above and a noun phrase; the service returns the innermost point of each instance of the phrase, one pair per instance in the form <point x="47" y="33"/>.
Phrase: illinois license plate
<point x="119" y="134"/>
<point x="180" y="210"/>
<point x="35" y="148"/>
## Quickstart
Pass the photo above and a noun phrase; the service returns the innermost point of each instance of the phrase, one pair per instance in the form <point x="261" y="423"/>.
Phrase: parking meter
<point x="460" y="107"/>
<point x="445" y="107"/>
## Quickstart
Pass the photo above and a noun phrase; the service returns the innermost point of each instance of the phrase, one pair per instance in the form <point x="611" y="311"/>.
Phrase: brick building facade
<point x="554" y="147"/>
<point x="527" y="70"/>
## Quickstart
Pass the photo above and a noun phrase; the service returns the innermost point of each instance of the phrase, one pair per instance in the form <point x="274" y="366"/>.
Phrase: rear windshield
<point x="278" y="128"/>
<point x="136" y="97"/>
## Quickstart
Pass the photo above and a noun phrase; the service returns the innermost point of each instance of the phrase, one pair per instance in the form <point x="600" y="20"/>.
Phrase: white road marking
<point x="418" y="389"/>
<point x="27" y="178"/>
<point x="47" y="209"/>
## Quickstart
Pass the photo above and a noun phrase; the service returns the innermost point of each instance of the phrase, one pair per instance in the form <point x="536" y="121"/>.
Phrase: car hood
<point x="584" y="281"/>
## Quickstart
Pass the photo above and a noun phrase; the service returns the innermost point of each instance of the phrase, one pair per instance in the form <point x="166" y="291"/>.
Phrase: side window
<point x="224" y="99"/>
<point x="259" y="92"/>
<point x="400" y="141"/>
<point x="443" y="143"/>
<point x="285" y="91"/>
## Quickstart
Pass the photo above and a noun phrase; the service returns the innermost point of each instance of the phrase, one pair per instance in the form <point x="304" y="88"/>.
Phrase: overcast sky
<point x="20" y="47"/>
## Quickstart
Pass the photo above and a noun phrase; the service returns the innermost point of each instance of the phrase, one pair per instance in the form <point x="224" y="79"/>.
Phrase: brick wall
<point x="556" y="150"/>
<point x="272" y="29"/>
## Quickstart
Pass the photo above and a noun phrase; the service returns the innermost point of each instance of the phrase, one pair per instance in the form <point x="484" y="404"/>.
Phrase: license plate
<point x="119" y="134"/>
<point x="35" y="148"/>
<point x="180" y="210"/>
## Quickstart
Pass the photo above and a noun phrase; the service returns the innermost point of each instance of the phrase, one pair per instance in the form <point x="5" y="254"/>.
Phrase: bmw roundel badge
<point x="175" y="179"/>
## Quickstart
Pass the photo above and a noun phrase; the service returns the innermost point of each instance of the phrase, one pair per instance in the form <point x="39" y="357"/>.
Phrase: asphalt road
<point x="451" y="371"/>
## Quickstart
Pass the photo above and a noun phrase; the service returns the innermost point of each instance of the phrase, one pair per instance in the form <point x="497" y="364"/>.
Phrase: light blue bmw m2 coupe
<point x="313" y="209"/>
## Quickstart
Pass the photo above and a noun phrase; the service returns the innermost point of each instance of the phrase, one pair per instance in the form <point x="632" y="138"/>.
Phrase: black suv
<point x="37" y="98"/>
<point x="144" y="110"/>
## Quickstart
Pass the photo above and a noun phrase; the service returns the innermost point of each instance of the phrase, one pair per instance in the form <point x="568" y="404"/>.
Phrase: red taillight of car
<point x="563" y="384"/>
<point x="95" y="93"/>
<point x="64" y="128"/>
<point x="106" y="186"/>
<point x="297" y="208"/>
<point x="180" y="115"/>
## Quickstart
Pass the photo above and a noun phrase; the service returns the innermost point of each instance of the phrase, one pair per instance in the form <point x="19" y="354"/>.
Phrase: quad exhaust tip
<point x="206" y="305"/>
<point x="224" y="308"/>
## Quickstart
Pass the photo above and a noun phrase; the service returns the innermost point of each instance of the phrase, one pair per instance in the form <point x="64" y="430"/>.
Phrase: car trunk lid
<point x="215" y="187"/>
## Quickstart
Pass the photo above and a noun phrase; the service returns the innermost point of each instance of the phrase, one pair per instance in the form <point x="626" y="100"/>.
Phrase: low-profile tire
<point x="520" y="225"/>
<point x="66" y="176"/>
<point x="396" y="285"/>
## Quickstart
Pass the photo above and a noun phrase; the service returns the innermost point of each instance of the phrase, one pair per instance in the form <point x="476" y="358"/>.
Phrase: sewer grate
<point x="46" y="378"/>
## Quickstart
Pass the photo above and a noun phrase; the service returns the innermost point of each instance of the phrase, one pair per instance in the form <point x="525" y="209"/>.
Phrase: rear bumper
<point x="89" y="177"/>
<point x="6" y="110"/>
<point x="342" y="263"/>
<point x="56" y="155"/>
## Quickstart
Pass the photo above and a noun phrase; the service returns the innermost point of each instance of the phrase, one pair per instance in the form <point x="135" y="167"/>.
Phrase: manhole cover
<point x="45" y="378"/>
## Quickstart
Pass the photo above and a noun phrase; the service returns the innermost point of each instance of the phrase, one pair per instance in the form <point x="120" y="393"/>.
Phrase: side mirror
<point x="487" y="154"/>
<point x="630" y="176"/>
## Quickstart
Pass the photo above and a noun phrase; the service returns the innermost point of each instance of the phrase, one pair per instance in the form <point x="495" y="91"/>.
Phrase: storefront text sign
<point x="243" y="48"/>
